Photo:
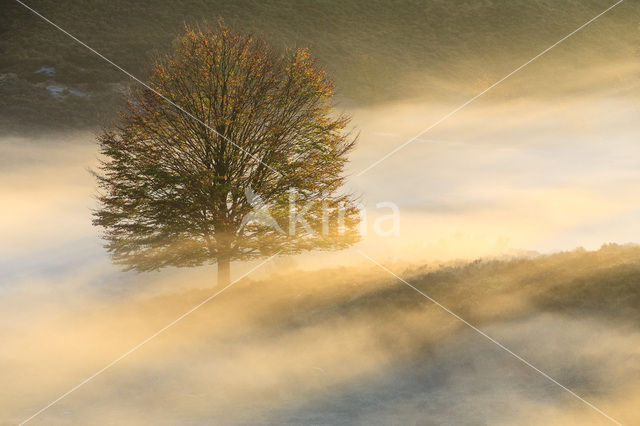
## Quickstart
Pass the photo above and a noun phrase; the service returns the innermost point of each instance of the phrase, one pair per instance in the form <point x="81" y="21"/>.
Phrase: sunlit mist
<point x="496" y="278"/>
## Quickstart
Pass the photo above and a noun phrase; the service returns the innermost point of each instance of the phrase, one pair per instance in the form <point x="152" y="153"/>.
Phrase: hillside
<point x="347" y="346"/>
<point x="376" y="50"/>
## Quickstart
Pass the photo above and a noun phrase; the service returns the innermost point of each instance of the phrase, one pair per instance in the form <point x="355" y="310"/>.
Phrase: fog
<point x="340" y="345"/>
<point x="327" y="338"/>
<point x="508" y="174"/>
<point x="501" y="176"/>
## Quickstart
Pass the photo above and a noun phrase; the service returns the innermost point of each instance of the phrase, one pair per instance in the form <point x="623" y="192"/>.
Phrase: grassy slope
<point x="376" y="50"/>
<point x="346" y="346"/>
<point x="603" y="283"/>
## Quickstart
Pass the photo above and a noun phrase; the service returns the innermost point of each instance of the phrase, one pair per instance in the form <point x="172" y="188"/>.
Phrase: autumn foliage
<point x="230" y="126"/>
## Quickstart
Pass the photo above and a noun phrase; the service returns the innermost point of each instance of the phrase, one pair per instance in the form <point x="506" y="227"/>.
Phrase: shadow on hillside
<point x="347" y="346"/>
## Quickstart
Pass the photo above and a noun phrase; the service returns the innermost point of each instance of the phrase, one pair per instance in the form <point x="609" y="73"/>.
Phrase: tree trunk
<point x="224" y="271"/>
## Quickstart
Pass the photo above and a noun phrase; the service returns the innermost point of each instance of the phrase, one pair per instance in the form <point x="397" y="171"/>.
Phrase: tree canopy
<point x="233" y="152"/>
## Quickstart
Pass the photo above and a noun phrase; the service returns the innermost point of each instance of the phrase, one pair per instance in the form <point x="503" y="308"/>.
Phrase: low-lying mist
<point x="502" y="176"/>
<point x="335" y="346"/>
<point x="326" y="338"/>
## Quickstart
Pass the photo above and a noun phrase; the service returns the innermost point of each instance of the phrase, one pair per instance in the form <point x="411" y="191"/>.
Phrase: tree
<point x="230" y="134"/>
